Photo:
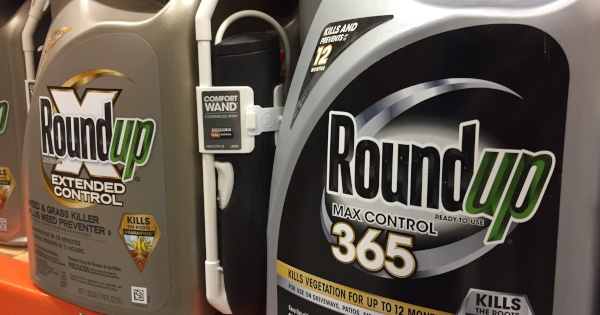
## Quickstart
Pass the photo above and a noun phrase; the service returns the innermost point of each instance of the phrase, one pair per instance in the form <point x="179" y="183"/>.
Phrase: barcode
<point x="138" y="295"/>
<point x="3" y="225"/>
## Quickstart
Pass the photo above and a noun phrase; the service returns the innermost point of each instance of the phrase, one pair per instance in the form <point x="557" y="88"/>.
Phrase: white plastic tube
<point x="257" y="14"/>
<point x="28" y="50"/>
<point x="36" y="12"/>
<point x="215" y="284"/>
<point x="35" y="15"/>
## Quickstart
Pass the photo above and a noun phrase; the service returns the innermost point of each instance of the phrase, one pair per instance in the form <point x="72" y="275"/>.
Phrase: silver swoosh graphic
<point x="372" y="119"/>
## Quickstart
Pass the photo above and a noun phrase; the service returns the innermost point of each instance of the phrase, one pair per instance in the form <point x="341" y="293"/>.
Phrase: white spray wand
<point x="38" y="7"/>
<point x="215" y="283"/>
<point x="214" y="273"/>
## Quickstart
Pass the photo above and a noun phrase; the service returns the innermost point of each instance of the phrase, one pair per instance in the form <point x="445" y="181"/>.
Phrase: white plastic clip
<point x="225" y="180"/>
<point x="259" y="120"/>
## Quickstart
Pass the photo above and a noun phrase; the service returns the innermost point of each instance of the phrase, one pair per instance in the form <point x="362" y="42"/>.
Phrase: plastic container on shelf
<point x="13" y="115"/>
<point x="111" y="171"/>
<point x="440" y="157"/>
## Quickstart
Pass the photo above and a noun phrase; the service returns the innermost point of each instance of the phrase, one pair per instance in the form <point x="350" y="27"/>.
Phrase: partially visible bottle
<point x="440" y="157"/>
<point x="13" y="114"/>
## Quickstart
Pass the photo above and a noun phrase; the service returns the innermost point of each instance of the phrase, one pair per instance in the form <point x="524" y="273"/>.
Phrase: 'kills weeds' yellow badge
<point x="140" y="235"/>
<point x="7" y="183"/>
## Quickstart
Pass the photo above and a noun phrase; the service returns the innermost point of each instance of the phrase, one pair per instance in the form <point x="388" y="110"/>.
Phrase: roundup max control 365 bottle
<point x="440" y="157"/>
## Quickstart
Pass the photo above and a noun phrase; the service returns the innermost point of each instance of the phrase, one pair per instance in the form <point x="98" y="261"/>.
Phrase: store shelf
<point x="18" y="295"/>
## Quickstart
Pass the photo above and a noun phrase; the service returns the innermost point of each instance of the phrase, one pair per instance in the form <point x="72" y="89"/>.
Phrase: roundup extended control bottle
<point x="13" y="114"/>
<point x="111" y="167"/>
<point x="440" y="157"/>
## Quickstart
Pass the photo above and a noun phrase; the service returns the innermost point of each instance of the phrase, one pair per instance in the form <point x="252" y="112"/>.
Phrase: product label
<point x="435" y="182"/>
<point x="494" y="303"/>
<point x="7" y="184"/>
<point x="221" y="120"/>
<point x="12" y="124"/>
<point x="97" y="203"/>
<point x="140" y="235"/>
<point x="334" y="40"/>
<point x="340" y="298"/>
<point x="79" y="133"/>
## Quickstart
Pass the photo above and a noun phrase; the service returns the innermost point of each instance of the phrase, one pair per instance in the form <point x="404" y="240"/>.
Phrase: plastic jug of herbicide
<point x="439" y="157"/>
<point x="239" y="109"/>
<point x="248" y="59"/>
<point x="12" y="122"/>
<point x="13" y="114"/>
<point x="113" y="177"/>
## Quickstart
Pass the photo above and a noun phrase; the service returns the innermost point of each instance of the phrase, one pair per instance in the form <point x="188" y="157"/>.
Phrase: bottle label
<point x="434" y="183"/>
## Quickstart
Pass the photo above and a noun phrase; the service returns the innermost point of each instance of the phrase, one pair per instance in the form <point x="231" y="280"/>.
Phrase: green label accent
<point x="134" y="149"/>
<point x="3" y="115"/>
<point x="529" y="175"/>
